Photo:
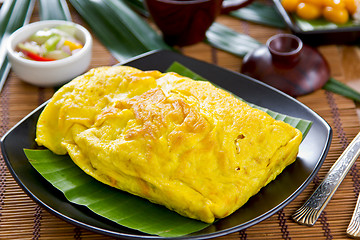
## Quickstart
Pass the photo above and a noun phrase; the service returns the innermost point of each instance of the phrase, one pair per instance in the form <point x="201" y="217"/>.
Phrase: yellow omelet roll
<point x="181" y="143"/>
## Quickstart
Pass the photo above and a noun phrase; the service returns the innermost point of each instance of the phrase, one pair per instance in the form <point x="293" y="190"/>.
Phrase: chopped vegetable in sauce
<point x="50" y="44"/>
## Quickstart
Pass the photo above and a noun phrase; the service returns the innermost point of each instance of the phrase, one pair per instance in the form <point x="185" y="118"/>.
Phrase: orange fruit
<point x="336" y="15"/>
<point x="319" y="3"/>
<point x="290" y="5"/>
<point x="334" y="3"/>
<point x="351" y="5"/>
<point x="308" y="11"/>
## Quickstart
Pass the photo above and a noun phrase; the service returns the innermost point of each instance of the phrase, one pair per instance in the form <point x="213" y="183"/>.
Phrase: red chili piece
<point x="36" y="57"/>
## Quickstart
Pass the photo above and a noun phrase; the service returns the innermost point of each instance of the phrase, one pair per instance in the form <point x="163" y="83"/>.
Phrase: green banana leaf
<point x="184" y="71"/>
<point x="54" y="10"/>
<point x="4" y="72"/>
<point x="13" y="15"/>
<point x="121" y="207"/>
<point x="261" y="13"/>
<point x="138" y="5"/>
<point x="119" y="28"/>
<point x="342" y="89"/>
<point x="226" y="39"/>
<point x="321" y="23"/>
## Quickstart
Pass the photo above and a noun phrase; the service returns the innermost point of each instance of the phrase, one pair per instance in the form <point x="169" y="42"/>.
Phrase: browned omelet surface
<point x="178" y="142"/>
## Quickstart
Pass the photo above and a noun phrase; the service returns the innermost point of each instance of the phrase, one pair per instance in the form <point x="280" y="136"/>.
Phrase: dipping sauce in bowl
<point x="49" y="53"/>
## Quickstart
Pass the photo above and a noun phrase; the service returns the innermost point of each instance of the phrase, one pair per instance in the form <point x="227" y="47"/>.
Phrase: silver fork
<point x="308" y="213"/>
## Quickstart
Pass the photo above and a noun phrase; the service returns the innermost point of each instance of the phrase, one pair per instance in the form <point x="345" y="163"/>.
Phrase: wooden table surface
<point x="22" y="218"/>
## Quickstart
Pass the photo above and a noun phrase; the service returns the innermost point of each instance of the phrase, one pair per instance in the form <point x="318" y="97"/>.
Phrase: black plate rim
<point x="146" y="236"/>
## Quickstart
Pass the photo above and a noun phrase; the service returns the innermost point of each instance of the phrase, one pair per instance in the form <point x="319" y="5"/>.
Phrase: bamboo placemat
<point x="21" y="218"/>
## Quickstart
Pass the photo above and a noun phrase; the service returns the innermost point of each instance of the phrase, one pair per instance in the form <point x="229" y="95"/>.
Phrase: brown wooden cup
<point x="185" y="22"/>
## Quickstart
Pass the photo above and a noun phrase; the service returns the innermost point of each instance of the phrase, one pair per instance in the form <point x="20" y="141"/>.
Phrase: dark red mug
<point x="185" y="22"/>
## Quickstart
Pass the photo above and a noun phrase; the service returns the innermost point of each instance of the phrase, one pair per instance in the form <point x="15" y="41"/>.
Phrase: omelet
<point x="181" y="143"/>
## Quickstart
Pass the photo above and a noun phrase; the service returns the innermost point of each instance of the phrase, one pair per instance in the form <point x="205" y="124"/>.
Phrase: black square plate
<point x="268" y="201"/>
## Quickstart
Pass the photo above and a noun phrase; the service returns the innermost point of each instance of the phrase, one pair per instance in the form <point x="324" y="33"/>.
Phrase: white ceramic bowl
<point x="52" y="73"/>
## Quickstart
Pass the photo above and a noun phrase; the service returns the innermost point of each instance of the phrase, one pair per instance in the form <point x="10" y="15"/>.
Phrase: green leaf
<point x="226" y="39"/>
<point x="320" y="23"/>
<point x="121" y="207"/>
<point x="4" y="72"/>
<point x="261" y="13"/>
<point x="301" y="124"/>
<point x="138" y="5"/>
<point x="141" y="29"/>
<point x="340" y="88"/>
<point x="13" y="15"/>
<point x="5" y="14"/>
<point x="184" y="71"/>
<point x="119" y="28"/>
<point x="54" y="10"/>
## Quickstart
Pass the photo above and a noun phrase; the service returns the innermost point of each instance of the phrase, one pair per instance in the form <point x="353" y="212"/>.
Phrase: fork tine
<point x="353" y="229"/>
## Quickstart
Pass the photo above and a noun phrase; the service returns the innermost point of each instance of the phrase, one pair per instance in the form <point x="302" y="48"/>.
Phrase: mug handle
<point x="228" y="6"/>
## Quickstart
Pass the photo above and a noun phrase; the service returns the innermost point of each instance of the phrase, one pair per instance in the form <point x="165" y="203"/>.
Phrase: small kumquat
<point x="308" y="11"/>
<point x="336" y="15"/>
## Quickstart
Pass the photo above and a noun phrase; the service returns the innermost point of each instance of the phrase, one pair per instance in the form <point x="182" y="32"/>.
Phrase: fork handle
<point x="308" y="213"/>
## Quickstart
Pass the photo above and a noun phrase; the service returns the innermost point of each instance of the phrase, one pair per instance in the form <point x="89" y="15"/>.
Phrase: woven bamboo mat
<point x="21" y="218"/>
